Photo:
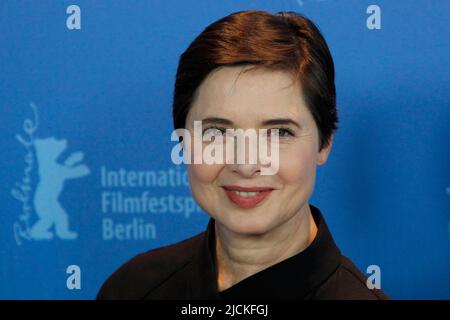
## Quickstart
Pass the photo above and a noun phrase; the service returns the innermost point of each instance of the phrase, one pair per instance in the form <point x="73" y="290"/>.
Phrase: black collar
<point x="294" y="278"/>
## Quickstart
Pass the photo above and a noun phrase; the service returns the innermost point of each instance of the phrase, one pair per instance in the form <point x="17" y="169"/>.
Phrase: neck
<point x="239" y="256"/>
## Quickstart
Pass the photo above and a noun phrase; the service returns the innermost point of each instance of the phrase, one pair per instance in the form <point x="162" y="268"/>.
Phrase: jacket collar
<point x="293" y="278"/>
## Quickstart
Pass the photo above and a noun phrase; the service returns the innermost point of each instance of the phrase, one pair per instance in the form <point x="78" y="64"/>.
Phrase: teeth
<point x="246" y="194"/>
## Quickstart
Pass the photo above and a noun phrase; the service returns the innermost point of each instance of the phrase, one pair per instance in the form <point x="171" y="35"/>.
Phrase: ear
<point x="322" y="156"/>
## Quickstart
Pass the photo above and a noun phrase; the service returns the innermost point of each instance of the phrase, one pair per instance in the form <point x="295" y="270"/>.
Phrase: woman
<point x="253" y="70"/>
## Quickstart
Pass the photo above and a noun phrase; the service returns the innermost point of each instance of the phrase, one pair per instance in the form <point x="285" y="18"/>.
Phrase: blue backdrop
<point x="85" y="101"/>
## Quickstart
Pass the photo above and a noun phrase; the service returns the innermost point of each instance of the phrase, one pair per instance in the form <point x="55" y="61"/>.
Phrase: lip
<point x="247" y="189"/>
<point x="247" y="202"/>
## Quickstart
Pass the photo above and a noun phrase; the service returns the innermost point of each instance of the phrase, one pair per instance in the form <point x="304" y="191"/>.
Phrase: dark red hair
<point x="285" y="41"/>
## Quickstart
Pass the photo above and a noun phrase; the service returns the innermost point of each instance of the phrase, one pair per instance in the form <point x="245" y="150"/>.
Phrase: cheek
<point x="298" y="164"/>
<point x="203" y="173"/>
<point x="203" y="184"/>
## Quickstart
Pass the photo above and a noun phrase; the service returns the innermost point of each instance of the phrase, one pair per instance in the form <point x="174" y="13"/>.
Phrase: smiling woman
<point x="253" y="70"/>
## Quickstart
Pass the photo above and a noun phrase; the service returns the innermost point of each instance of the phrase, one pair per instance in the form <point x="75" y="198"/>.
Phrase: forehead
<point x="257" y="93"/>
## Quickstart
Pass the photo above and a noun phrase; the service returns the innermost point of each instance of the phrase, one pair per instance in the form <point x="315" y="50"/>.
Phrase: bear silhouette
<point x="52" y="176"/>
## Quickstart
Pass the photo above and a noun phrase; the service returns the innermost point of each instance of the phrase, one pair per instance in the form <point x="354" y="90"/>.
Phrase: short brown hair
<point x="285" y="41"/>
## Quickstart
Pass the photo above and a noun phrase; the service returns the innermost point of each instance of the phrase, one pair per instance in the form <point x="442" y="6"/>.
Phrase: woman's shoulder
<point x="348" y="283"/>
<point x="138" y="276"/>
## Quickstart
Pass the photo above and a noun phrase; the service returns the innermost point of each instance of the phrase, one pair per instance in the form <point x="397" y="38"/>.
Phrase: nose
<point x="246" y="163"/>
<point x="246" y="170"/>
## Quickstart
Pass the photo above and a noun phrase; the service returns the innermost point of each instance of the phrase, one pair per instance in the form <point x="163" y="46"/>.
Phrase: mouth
<point x="247" y="197"/>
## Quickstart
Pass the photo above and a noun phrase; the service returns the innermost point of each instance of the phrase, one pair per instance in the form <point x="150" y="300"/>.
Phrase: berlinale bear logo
<point x="51" y="181"/>
<point x="43" y="197"/>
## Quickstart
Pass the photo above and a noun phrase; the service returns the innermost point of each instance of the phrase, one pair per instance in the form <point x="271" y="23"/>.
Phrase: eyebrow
<point x="268" y="122"/>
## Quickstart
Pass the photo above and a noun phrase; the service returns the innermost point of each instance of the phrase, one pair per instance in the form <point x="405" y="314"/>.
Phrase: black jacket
<point x="186" y="270"/>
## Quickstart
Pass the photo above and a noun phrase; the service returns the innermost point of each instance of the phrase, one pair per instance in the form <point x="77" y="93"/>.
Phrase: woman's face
<point x="247" y="102"/>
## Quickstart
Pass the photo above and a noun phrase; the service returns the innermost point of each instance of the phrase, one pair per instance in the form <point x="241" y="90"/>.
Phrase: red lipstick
<point x="240" y="195"/>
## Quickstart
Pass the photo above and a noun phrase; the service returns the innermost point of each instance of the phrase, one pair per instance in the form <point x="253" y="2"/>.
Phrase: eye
<point x="213" y="131"/>
<point x="282" y="132"/>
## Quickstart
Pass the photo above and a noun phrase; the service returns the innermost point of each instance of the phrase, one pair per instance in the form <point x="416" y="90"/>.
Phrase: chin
<point x="246" y="226"/>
